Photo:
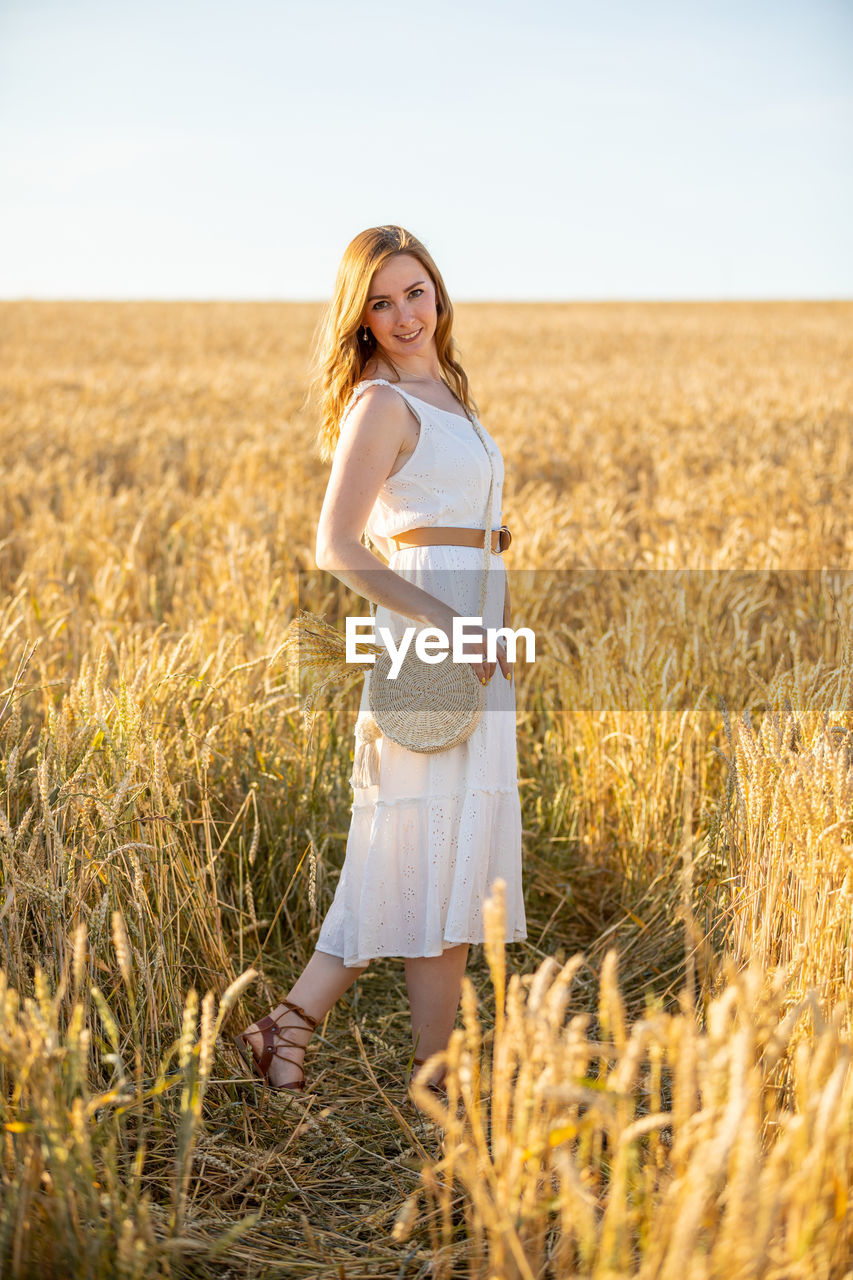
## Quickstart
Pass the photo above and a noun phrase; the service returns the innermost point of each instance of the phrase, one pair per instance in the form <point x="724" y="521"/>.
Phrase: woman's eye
<point x="381" y="301"/>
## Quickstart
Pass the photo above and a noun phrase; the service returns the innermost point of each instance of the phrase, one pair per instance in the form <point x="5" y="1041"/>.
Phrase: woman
<point x="429" y="837"/>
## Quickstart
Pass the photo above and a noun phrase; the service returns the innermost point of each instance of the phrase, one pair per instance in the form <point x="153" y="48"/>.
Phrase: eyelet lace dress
<point x="428" y="840"/>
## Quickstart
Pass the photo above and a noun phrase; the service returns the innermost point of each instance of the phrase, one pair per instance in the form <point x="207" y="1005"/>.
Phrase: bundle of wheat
<point x="311" y="644"/>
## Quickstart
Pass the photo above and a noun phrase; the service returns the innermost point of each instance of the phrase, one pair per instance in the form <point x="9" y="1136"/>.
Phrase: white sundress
<point x="426" y="843"/>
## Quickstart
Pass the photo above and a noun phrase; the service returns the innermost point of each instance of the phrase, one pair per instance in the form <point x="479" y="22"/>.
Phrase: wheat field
<point x="657" y="1083"/>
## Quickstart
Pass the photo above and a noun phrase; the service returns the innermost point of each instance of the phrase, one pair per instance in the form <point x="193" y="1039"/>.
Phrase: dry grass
<point x="679" y="480"/>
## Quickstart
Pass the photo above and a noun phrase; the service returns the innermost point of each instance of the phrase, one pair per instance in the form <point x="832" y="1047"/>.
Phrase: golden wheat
<point x="678" y="482"/>
<point x="649" y="1147"/>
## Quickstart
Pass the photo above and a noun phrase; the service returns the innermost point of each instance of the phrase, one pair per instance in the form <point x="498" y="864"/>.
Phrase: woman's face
<point x="400" y="308"/>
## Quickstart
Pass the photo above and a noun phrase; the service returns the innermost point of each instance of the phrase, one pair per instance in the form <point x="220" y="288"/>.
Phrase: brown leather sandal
<point x="439" y="1090"/>
<point x="271" y="1032"/>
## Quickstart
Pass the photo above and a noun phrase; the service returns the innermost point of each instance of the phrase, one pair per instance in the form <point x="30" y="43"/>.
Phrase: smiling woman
<point x="400" y="313"/>
<point x="403" y="315"/>
<point x="414" y="468"/>
<point x="389" y="298"/>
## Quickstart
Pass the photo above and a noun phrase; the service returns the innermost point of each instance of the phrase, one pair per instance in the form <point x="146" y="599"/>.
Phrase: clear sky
<point x="542" y="149"/>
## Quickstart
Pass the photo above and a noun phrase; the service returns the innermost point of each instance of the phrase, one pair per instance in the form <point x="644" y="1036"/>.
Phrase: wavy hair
<point x="339" y="354"/>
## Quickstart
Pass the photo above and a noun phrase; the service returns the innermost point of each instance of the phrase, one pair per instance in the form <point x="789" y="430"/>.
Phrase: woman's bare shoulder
<point x="381" y="420"/>
<point x="381" y="397"/>
<point x="380" y="407"/>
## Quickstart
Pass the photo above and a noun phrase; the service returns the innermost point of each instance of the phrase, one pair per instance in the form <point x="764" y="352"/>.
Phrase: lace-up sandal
<point x="273" y="1031"/>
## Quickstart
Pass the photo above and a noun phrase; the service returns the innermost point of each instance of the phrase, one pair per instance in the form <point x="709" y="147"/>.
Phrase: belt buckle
<point x="504" y="539"/>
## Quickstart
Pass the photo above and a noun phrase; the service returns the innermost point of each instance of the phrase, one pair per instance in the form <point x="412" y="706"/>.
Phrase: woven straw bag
<point x="428" y="707"/>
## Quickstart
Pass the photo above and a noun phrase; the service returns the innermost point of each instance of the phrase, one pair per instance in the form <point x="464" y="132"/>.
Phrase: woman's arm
<point x="383" y="545"/>
<point x="370" y="440"/>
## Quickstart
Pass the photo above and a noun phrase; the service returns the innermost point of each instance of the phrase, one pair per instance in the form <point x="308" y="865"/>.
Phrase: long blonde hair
<point x="340" y="355"/>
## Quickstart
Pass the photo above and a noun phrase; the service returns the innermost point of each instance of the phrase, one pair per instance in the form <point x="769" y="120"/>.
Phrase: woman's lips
<point x="409" y="337"/>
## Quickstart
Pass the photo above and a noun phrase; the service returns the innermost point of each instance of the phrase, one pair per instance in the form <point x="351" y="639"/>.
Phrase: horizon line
<point x="522" y="301"/>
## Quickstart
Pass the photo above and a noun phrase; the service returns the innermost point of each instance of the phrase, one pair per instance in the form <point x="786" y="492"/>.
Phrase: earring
<point x="364" y="333"/>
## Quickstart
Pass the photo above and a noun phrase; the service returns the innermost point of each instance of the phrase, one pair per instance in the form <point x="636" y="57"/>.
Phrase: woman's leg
<point x="435" y="985"/>
<point x="323" y="980"/>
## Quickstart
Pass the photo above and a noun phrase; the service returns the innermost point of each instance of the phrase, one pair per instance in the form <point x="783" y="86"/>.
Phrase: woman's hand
<point x="475" y="645"/>
<point x="485" y="670"/>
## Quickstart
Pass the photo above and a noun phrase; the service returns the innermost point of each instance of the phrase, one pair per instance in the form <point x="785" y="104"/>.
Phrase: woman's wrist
<point x="442" y="619"/>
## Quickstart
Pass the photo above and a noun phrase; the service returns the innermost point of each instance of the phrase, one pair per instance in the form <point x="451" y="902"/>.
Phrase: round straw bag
<point x="429" y="706"/>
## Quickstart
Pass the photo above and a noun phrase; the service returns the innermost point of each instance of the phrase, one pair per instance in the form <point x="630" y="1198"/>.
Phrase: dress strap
<point x="374" y="382"/>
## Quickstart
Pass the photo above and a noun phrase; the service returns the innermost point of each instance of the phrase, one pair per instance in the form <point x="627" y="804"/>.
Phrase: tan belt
<point x="443" y="535"/>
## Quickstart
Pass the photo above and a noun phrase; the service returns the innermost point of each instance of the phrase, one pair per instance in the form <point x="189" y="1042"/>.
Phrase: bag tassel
<point x="365" y="767"/>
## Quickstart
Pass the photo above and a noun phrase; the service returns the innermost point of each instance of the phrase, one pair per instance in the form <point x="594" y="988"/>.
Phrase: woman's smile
<point x="401" y="312"/>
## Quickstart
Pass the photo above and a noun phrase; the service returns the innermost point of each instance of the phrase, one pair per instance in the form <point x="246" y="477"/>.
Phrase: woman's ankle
<point x="290" y="1020"/>
<point x="436" y="1075"/>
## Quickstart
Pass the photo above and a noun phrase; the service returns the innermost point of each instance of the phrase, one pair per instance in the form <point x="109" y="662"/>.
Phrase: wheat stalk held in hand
<point x="313" y="645"/>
